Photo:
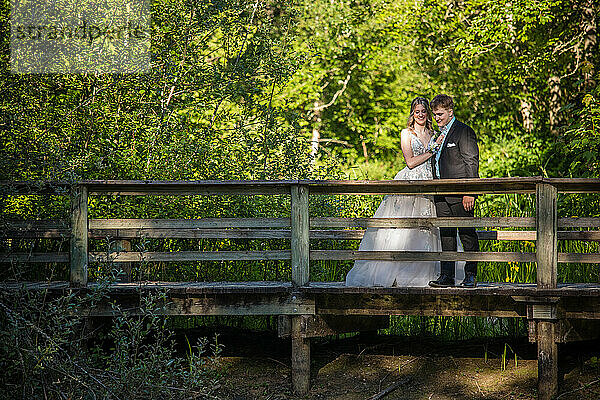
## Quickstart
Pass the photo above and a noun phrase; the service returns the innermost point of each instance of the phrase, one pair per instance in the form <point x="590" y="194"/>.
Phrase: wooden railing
<point x="300" y="227"/>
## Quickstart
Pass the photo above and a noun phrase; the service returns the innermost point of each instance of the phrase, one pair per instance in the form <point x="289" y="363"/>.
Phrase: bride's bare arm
<point x="411" y="160"/>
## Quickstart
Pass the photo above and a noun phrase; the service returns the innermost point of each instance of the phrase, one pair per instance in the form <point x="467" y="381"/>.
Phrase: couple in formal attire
<point x="452" y="154"/>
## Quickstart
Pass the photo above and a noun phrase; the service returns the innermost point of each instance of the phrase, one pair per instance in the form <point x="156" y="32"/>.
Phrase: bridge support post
<point x="126" y="267"/>
<point x="547" y="266"/>
<point x="300" y="277"/>
<point x="300" y="357"/>
<point x="547" y="360"/>
<point x="79" y="236"/>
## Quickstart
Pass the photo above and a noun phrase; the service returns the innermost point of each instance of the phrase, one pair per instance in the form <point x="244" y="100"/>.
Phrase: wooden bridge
<point x="556" y="312"/>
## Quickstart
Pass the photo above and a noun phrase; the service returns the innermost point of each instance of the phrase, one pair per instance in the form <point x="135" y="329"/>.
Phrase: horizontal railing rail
<point x="322" y="187"/>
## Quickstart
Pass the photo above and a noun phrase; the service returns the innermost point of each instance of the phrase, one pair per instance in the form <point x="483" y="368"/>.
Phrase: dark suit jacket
<point x="459" y="156"/>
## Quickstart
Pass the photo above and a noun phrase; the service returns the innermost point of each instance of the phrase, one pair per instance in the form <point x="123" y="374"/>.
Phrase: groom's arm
<point x="470" y="152"/>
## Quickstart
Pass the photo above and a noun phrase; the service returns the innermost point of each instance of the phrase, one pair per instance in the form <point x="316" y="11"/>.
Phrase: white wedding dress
<point x="402" y="273"/>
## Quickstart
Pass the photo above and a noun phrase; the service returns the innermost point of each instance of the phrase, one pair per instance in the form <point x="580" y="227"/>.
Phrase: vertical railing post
<point x="300" y="242"/>
<point x="79" y="236"/>
<point x="547" y="270"/>
<point x="546" y="222"/>
<point x="300" y="277"/>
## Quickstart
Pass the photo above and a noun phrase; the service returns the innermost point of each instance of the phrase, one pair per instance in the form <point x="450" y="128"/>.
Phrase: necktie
<point x="437" y="155"/>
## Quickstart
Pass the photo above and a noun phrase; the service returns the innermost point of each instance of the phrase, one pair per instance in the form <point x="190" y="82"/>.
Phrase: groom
<point x="458" y="157"/>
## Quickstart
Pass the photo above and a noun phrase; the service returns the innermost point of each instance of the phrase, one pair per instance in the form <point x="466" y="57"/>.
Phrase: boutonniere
<point x="433" y="146"/>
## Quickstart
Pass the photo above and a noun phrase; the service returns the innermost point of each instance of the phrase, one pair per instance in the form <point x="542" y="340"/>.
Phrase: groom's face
<point x="443" y="116"/>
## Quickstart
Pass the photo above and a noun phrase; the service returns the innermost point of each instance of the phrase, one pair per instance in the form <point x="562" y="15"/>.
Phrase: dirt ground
<point x="358" y="367"/>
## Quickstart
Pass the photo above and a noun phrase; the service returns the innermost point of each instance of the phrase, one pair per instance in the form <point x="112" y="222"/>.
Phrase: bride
<point x="417" y="144"/>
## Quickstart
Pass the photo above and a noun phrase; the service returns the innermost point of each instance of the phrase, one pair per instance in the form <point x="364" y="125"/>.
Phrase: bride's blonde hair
<point x="411" y="118"/>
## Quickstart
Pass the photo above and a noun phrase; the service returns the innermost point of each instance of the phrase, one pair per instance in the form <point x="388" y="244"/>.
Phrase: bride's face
<point x="420" y="114"/>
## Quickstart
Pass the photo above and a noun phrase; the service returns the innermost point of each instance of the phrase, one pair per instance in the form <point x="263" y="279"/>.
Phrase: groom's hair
<point x="442" y="101"/>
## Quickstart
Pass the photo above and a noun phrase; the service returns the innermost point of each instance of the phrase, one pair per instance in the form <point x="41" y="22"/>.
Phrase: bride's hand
<point x="440" y="139"/>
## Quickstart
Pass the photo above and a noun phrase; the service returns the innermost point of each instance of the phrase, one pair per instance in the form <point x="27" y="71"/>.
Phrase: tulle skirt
<point x="401" y="273"/>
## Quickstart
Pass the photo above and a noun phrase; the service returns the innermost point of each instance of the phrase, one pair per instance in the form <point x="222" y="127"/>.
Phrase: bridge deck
<point x="483" y="288"/>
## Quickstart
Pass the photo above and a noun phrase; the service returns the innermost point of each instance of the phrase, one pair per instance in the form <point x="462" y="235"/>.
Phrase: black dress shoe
<point x="469" y="281"/>
<point x="442" y="281"/>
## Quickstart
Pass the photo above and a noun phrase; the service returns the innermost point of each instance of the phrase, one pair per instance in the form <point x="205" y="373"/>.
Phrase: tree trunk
<point x="590" y="42"/>
<point x="554" y="88"/>
<point x="316" y="135"/>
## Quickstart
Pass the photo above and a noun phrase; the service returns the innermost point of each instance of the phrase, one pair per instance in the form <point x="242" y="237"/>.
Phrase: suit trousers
<point x="468" y="236"/>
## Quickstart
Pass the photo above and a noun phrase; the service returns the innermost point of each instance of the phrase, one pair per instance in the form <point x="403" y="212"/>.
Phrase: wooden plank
<point x="119" y="246"/>
<point x="584" y="258"/>
<point x="214" y="187"/>
<point x="579" y="222"/>
<point x="192" y="233"/>
<point x="354" y="234"/>
<point x="531" y="235"/>
<point x="300" y="237"/>
<point x="440" y="304"/>
<point x="35" y="258"/>
<point x="438" y="186"/>
<point x="506" y="235"/>
<point x="226" y="304"/>
<point x="168" y="256"/>
<point x="33" y="229"/>
<point x="34" y="225"/>
<point x="575" y="185"/>
<point x="300" y="358"/>
<point x="500" y="222"/>
<point x="445" y="186"/>
<point x="128" y="256"/>
<point x="547" y="228"/>
<point x="577" y="330"/>
<point x="421" y="256"/>
<point x="38" y="234"/>
<point x="547" y="360"/>
<point x="202" y="223"/>
<point x="79" y="238"/>
<point x="326" y="325"/>
<point x="574" y="296"/>
<point x="579" y="235"/>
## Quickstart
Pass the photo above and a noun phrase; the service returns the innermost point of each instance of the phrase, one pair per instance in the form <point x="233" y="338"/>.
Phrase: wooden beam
<point x="576" y="330"/>
<point x="232" y="304"/>
<point x="79" y="238"/>
<point x="300" y="236"/>
<point x="424" y="304"/>
<point x="211" y="187"/>
<point x="547" y="360"/>
<point x="425" y="222"/>
<point x="257" y="233"/>
<point x="547" y="228"/>
<point x="421" y="256"/>
<point x="300" y="357"/>
<point x="316" y="255"/>
<point x="201" y="223"/>
<point x="126" y="267"/>
<point x="326" y="325"/>
<point x="172" y="256"/>
<point x="35" y="258"/>
<point x="579" y="222"/>
<point x="192" y="233"/>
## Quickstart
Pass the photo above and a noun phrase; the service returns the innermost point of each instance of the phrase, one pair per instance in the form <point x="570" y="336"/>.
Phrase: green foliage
<point x="205" y="110"/>
<point x="47" y="351"/>
<point x="579" y="146"/>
